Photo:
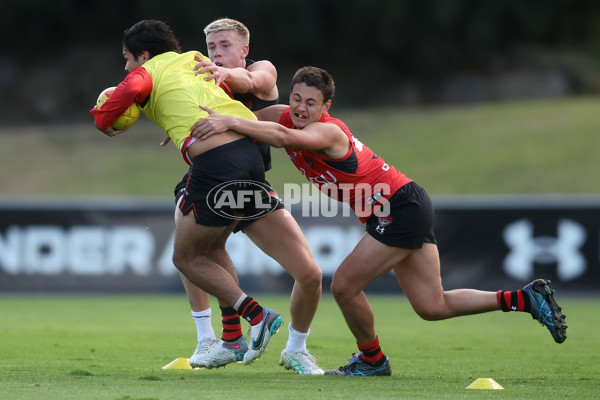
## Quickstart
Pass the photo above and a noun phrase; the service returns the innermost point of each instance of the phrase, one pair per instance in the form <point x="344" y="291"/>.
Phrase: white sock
<point x="204" y="327"/>
<point x="296" y="341"/>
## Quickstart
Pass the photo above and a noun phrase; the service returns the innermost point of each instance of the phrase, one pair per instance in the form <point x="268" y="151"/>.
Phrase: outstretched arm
<point x="326" y="138"/>
<point x="264" y="131"/>
<point x="259" y="78"/>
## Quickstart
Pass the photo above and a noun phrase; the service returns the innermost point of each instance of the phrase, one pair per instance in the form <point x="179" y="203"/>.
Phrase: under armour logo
<point x="562" y="250"/>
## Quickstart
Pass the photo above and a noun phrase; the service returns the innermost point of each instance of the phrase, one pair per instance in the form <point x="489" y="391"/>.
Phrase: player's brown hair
<point x="318" y="78"/>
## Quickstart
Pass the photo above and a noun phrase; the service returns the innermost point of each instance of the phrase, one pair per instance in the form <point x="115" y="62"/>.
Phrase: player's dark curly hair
<point x="318" y="78"/>
<point x="150" y="35"/>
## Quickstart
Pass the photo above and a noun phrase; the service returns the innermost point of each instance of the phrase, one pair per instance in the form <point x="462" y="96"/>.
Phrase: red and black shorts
<point x="409" y="222"/>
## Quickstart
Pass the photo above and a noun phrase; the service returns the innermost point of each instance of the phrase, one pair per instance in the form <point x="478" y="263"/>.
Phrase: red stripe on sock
<point x="258" y="319"/>
<point x="232" y="328"/>
<point x="370" y="352"/>
<point x="520" y="301"/>
<point x="499" y="298"/>
<point x="231" y="336"/>
<point x="248" y="309"/>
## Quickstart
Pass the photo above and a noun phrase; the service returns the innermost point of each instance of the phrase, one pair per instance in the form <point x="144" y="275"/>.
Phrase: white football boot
<point x="261" y="334"/>
<point x="302" y="362"/>
<point x="224" y="353"/>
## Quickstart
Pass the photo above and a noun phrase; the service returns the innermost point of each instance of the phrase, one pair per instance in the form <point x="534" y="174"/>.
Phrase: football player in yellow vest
<point x="163" y="82"/>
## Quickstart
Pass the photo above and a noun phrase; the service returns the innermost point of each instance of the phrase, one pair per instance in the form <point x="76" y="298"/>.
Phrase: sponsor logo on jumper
<point x="294" y="155"/>
<point x="375" y="198"/>
<point x="241" y="199"/>
<point x="325" y="179"/>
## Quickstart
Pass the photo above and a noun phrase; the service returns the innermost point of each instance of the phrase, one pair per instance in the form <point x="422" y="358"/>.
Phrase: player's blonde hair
<point x="228" y="24"/>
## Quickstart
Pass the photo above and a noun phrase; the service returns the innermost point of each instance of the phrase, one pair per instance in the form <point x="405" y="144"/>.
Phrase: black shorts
<point x="265" y="152"/>
<point x="236" y="166"/>
<point x="410" y="220"/>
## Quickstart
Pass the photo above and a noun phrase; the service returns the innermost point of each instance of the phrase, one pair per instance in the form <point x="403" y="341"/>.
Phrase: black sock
<point x="250" y="309"/>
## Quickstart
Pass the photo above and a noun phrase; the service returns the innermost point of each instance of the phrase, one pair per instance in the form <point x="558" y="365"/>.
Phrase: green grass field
<point x="114" y="347"/>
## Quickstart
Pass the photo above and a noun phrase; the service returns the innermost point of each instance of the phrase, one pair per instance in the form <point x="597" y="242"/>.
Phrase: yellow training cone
<point x="180" y="363"/>
<point x="485" y="383"/>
